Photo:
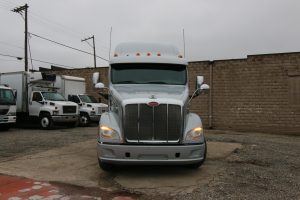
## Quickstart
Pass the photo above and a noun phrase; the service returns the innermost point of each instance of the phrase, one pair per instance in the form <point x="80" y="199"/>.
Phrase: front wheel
<point x="46" y="121"/>
<point x="84" y="119"/>
<point x="105" y="166"/>
<point x="4" y="127"/>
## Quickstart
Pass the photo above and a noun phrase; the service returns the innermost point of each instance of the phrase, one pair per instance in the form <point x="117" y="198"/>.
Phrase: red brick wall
<point x="250" y="94"/>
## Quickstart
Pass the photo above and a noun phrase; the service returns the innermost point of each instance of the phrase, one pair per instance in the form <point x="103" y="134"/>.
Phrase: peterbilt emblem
<point x="153" y="104"/>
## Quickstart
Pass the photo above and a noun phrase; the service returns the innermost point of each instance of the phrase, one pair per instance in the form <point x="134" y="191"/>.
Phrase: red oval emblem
<point x="153" y="104"/>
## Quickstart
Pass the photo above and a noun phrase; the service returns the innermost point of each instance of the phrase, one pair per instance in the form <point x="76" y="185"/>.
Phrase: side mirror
<point x="15" y="93"/>
<point x="95" y="77"/>
<point x="99" y="85"/>
<point x="204" y="87"/>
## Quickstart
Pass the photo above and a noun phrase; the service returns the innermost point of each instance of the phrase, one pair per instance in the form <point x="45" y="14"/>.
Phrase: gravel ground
<point x="267" y="166"/>
<point x="19" y="142"/>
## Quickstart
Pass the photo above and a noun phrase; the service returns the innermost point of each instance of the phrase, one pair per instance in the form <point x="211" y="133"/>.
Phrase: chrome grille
<point x="102" y="110"/>
<point x="143" y="123"/>
<point x="69" y="109"/>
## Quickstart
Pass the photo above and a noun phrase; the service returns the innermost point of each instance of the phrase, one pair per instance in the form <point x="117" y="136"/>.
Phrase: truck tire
<point x="84" y="119"/>
<point x="198" y="164"/>
<point x="105" y="166"/>
<point x="46" y="121"/>
<point x="74" y="124"/>
<point x="4" y="127"/>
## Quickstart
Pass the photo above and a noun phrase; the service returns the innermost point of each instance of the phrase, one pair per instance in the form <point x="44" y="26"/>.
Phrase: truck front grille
<point x="143" y="123"/>
<point x="69" y="109"/>
<point x="102" y="110"/>
<point x="3" y="111"/>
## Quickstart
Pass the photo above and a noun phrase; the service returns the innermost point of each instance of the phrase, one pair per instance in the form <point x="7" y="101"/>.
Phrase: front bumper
<point x="95" y="118"/>
<point x="149" y="154"/>
<point x="65" y="118"/>
<point x="7" y="119"/>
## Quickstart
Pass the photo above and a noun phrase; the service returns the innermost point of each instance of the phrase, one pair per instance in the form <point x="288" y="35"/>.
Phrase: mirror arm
<point x="193" y="95"/>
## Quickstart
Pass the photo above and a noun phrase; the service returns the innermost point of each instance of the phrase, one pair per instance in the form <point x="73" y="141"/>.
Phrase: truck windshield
<point x="53" y="96"/>
<point x="88" y="99"/>
<point x="148" y="73"/>
<point x="7" y="97"/>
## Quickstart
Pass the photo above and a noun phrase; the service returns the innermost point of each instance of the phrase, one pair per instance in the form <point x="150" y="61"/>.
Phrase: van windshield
<point x="148" y="73"/>
<point x="53" y="96"/>
<point x="88" y="99"/>
<point x="7" y="97"/>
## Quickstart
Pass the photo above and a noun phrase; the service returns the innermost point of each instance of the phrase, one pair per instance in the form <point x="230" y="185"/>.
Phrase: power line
<point x="37" y="60"/>
<point x="6" y="55"/>
<point x="64" y="45"/>
<point x="12" y="45"/>
<point x="62" y="28"/>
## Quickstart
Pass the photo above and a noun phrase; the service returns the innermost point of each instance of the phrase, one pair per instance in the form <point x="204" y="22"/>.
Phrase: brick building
<point x="259" y="93"/>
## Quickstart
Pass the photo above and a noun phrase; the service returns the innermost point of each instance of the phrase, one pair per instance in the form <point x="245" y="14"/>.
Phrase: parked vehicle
<point x="7" y="107"/>
<point x="39" y="101"/>
<point x="148" y="121"/>
<point x="73" y="89"/>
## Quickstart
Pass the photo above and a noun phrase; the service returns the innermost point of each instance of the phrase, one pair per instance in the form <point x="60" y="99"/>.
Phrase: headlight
<point x="108" y="133"/>
<point x="93" y="112"/>
<point x="194" y="135"/>
<point x="55" y="112"/>
<point x="12" y="114"/>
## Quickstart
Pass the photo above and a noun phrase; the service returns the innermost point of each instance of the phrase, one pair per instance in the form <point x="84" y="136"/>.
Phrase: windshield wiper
<point x="157" y="82"/>
<point x="120" y="82"/>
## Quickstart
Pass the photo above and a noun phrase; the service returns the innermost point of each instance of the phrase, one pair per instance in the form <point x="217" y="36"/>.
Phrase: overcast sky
<point x="214" y="29"/>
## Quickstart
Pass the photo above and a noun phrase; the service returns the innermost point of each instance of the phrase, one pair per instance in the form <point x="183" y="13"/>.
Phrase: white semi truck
<point x="73" y="89"/>
<point x="38" y="100"/>
<point x="7" y="107"/>
<point x="149" y="121"/>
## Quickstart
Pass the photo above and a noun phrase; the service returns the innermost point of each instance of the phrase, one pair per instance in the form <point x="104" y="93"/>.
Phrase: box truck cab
<point x="90" y="109"/>
<point x="7" y="107"/>
<point x="149" y="121"/>
<point x="73" y="89"/>
<point x="38" y="100"/>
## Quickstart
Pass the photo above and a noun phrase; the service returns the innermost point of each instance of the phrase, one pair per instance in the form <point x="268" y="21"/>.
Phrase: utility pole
<point x="92" y="37"/>
<point x="19" y="10"/>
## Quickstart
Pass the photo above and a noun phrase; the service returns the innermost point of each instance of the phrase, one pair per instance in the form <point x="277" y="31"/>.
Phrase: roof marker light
<point x="180" y="56"/>
<point x="158" y="54"/>
<point x="148" y="54"/>
<point x="115" y="55"/>
<point x="138" y="54"/>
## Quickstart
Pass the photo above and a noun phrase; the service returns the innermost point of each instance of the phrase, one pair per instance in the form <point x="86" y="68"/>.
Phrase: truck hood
<point x="144" y="93"/>
<point x="96" y="105"/>
<point x="63" y="103"/>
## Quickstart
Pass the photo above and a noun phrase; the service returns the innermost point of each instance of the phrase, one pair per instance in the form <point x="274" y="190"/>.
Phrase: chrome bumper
<point x="95" y="118"/>
<point x="65" y="118"/>
<point x="7" y="119"/>
<point x="143" y="154"/>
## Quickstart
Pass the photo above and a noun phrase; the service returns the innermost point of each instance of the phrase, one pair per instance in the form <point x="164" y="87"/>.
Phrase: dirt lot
<point x="239" y="166"/>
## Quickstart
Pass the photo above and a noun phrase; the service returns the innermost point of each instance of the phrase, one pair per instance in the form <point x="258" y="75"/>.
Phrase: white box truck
<point x="38" y="100"/>
<point x="73" y="89"/>
<point x="7" y="107"/>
